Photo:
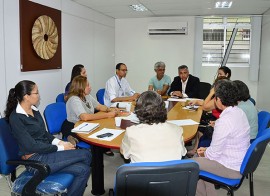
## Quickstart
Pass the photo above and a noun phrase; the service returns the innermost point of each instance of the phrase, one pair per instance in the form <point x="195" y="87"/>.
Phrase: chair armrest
<point x="43" y="171"/>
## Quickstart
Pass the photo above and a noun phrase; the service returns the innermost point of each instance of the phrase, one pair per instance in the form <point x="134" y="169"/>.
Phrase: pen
<point x="83" y="126"/>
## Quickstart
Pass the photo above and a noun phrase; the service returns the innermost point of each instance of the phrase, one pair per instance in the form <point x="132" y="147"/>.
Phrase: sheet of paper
<point x="183" y="122"/>
<point x="132" y="117"/>
<point x="115" y="132"/>
<point x="85" y="127"/>
<point x="175" y="99"/>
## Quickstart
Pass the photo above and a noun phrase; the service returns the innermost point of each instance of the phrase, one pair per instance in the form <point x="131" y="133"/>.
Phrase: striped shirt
<point x="230" y="139"/>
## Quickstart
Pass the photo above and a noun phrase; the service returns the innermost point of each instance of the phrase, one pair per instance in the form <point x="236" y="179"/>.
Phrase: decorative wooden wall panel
<point x="47" y="53"/>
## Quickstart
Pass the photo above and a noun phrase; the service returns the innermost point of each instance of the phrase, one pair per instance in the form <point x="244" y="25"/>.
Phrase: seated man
<point x="117" y="87"/>
<point x="161" y="82"/>
<point x="185" y="85"/>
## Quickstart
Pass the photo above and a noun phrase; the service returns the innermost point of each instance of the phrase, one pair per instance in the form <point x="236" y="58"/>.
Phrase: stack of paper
<point x="176" y="99"/>
<point x="85" y="127"/>
<point x="183" y="122"/>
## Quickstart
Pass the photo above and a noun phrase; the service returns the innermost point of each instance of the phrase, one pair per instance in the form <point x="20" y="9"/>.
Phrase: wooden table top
<point x="175" y="113"/>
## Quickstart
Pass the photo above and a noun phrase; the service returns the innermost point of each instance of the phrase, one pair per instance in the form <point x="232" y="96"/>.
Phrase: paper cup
<point x="166" y="104"/>
<point x="118" y="121"/>
<point x="128" y="107"/>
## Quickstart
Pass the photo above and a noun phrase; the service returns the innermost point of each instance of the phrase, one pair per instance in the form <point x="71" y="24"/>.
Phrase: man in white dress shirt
<point x="117" y="87"/>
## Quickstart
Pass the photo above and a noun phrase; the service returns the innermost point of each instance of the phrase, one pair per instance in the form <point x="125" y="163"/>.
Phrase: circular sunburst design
<point x="45" y="37"/>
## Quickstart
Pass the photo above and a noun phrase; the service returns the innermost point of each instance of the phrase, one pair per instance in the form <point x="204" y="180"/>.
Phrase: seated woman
<point x="207" y="119"/>
<point x="153" y="139"/>
<point x="81" y="106"/>
<point x="161" y="82"/>
<point x="35" y="143"/>
<point x="248" y="107"/>
<point x="230" y="139"/>
<point x="77" y="70"/>
<point x="224" y="71"/>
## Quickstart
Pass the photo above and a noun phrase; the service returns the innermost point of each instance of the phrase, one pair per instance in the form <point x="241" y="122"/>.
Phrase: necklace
<point x="86" y="103"/>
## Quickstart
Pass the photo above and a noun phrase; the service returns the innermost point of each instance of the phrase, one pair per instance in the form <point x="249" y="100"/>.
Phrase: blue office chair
<point x="249" y="165"/>
<point x="60" y="98"/>
<point x="55" y="114"/>
<point x="100" y="95"/>
<point x="263" y="120"/>
<point x="27" y="183"/>
<point x="174" y="178"/>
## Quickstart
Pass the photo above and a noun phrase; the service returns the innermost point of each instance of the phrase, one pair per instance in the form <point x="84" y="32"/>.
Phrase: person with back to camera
<point x="117" y="87"/>
<point x="77" y="70"/>
<point x="161" y="82"/>
<point x="35" y="143"/>
<point x="230" y="139"/>
<point x="153" y="139"/>
<point x="185" y="85"/>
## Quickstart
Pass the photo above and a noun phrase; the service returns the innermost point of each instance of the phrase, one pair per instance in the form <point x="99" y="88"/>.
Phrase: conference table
<point x="175" y="112"/>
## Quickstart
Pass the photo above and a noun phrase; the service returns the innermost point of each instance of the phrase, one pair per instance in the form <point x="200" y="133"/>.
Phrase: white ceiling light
<point x="138" y="8"/>
<point x="223" y="4"/>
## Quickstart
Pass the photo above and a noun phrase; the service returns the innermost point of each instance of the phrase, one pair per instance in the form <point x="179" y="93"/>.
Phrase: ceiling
<point x="160" y="8"/>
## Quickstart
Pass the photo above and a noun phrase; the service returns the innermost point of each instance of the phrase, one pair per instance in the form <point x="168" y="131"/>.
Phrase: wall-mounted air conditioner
<point x="167" y="28"/>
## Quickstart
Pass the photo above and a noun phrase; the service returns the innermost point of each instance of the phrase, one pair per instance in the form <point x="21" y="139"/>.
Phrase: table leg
<point x="97" y="171"/>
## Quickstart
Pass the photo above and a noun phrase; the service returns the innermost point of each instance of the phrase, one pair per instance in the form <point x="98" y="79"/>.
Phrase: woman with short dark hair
<point x="35" y="143"/>
<point x="153" y="139"/>
<point x="230" y="139"/>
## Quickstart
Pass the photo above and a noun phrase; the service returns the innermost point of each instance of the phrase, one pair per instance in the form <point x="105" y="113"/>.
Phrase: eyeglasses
<point x="124" y="70"/>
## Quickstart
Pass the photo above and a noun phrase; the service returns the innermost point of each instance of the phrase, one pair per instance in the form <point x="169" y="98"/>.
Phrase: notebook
<point x="85" y="127"/>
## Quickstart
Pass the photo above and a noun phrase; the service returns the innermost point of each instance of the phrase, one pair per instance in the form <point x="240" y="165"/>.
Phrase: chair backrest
<point x="100" y="95"/>
<point x="263" y="120"/>
<point x="255" y="153"/>
<point x="8" y="148"/>
<point x="60" y="98"/>
<point x="157" y="178"/>
<point x="55" y="114"/>
<point x="204" y="90"/>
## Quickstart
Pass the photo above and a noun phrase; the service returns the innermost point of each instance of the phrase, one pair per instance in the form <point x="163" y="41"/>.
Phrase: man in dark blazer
<point x="185" y="85"/>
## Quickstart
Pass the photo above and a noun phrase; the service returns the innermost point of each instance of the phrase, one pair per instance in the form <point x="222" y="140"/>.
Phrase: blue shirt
<point x="158" y="84"/>
<point x="252" y="116"/>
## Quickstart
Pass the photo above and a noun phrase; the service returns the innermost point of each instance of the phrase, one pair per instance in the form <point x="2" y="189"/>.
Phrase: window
<point x="216" y="35"/>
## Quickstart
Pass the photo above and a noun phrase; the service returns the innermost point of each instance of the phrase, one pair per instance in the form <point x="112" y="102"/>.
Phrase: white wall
<point x="263" y="85"/>
<point x="87" y="38"/>
<point x="238" y="73"/>
<point x="2" y="61"/>
<point x="141" y="51"/>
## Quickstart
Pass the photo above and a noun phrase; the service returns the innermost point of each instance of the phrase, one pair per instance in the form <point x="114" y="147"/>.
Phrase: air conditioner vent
<point x="167" y="28"/>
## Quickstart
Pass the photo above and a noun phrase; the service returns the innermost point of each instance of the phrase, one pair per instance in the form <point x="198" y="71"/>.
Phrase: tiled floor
<point x="261" y="178"/>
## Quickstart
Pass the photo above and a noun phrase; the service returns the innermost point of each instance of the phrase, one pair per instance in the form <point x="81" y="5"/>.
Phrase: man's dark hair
<point x="227" y="92"/>
<point x="182" y="67"/>
<point x="243" y="91"/>
<point x="150" y="108"/>
<point x="119" y="65"/>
